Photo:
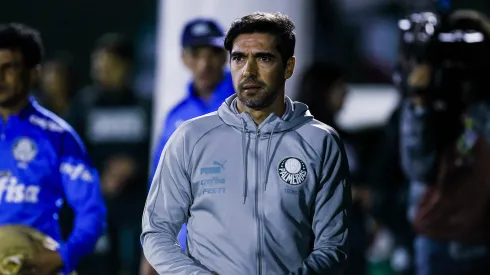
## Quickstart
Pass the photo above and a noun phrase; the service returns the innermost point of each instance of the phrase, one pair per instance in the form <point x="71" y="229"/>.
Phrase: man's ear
<point x="290" y="67"/>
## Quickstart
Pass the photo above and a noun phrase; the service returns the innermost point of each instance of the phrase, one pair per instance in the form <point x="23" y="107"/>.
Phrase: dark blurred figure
<point x="57" y="84"/>
<point x="392" y="195"/>
<point x="115" y="124"/>
<point x="445" y="145"/>
<point x="324" y="89"/>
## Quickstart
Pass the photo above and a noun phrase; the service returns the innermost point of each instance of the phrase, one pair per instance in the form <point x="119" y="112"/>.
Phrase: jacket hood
<point x="295" y="115"/>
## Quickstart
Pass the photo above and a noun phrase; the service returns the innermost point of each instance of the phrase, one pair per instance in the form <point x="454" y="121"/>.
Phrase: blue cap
<point x="202" y="32"/>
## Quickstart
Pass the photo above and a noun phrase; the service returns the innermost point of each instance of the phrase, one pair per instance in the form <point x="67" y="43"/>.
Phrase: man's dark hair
<point x="117" y="44"/>
<point x="275" y="24"/>
<point x="20" y="37"/>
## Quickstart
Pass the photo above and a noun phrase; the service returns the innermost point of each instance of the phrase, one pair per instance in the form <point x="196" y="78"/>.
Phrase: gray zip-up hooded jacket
<point x="267" y="199"/>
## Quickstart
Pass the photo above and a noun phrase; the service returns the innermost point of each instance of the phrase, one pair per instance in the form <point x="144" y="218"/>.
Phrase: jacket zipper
<point x="259" y="231"/>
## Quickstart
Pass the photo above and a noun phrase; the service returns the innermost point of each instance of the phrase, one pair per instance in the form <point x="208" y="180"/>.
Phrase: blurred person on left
<point x="114" y="122"/>
<point x="43" y="163"/>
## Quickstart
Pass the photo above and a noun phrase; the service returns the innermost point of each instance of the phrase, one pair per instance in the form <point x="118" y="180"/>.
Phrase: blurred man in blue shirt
<point x="204" y="55"/>
<point x="43" y="162"/>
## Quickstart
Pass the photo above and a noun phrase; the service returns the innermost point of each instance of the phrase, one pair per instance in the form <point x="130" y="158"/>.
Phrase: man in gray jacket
<point x="261" y="184"/>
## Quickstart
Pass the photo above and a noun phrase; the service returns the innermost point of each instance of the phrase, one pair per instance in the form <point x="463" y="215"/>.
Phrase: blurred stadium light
<point x="368" y="106"/>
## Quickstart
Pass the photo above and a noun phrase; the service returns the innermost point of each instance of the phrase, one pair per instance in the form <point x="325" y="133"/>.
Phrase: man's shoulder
<point x="47" y="121"/>
<point x="183" y="106"/>
<point x="53" y="126"/>
<point x="195" y="128"/>
<point x="203" y="123"/>
<point x="317" y="129"/>
<point x="318" y="134"/>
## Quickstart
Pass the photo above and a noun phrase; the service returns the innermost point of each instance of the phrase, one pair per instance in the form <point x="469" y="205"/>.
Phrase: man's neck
<point x="206" y="93"/>
<point x="5" y="112"/>
<point x="278" y="107"/>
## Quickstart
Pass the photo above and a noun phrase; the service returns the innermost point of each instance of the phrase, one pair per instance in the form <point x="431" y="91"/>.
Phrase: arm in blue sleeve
<point x="418" y="149"/>
<point x="82" y="190"/>
<point x="330" y="216"/>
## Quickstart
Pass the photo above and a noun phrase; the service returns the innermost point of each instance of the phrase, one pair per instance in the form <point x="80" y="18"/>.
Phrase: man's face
<point x="109" y="70"/>
<point x="15" y="78"/>
<point x="206" y="65"/>
<point x="257" y="70"/>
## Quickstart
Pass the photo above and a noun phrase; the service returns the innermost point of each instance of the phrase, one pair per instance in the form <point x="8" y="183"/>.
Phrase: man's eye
<point x="265" y="59"/>
<point x="236" y="58"/>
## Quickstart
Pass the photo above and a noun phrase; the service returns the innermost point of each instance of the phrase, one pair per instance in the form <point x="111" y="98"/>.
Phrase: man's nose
<point x="250" y="68"/>
<point x="203" y="63"/>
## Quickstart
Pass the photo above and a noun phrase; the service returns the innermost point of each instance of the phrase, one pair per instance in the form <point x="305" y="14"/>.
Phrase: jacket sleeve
<point x="418" y="148"/>
<point x="81" y="184"/>
<point x="166" y="209"/>
<point x="168" y="130"/>
<point x="330" y="216"/>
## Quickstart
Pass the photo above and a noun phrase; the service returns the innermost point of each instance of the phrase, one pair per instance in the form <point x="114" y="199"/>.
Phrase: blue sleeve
<point x="82" y="190"/>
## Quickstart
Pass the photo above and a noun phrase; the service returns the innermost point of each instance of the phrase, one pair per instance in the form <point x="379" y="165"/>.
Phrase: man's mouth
<point x="205" y="76"/>
<point x="251" y="86"/>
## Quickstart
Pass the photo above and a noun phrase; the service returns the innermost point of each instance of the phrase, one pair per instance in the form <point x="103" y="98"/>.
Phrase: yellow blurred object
<point x="19" y="243"/>
<point x="420" y="76"/>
